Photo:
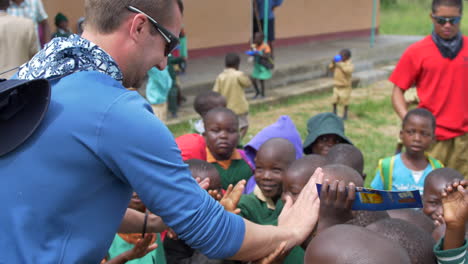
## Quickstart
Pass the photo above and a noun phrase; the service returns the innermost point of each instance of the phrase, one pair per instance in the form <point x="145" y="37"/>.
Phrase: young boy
<point x="222" y="136"/>
<point x="264" y="205"/>
<point x="61" y="22"/>
<point x="418" y="243"/>
<point x="177" y="252"/>
<point x="406" y="171"/>
<point x="342" y="77"/>
<point x="260" y="72"/>
<point x="434" y="184"/>
<point x="126" y="242"/>
<point x="452" y="249"/>
<point x="204" y="102"/>
<point x="344" y="244"/>
<point x="324" y="131"/>
<point x="231" y="83"/>
<point x="348" y="155"/>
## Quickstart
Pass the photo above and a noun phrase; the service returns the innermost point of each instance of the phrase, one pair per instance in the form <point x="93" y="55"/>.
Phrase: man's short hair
<point x="107" y="15"/>
<point x="232" y="60"/>
<point x="452" y="3"/>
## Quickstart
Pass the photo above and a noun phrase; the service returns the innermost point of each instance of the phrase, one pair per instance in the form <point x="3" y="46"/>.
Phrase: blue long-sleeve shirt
<point x="65" y="190"/>
<point x="271" y="4"/>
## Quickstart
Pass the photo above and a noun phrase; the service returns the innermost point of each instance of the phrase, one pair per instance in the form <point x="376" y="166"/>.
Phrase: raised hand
<point x="203" y="184"/>
<point x="335" y="203"/>
<point x="455" y="203"/>
<point x="276" y="257"/>
<point x="232" y="196"/>
<point x="142" y="247"/>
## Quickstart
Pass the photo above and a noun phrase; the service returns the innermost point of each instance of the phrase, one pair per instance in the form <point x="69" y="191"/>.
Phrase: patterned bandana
<point x="63" y="56"/>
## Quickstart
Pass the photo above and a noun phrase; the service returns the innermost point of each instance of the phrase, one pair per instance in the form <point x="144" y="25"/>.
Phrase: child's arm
<point x="347" y="68"/>
<point x="335" y="204"/>
<point x="141" y="249"/>
<point x="244" y="81"/>
<point x="133" y="222"/>
<point x="455" y="203"/>
<point x="232" y="197"/>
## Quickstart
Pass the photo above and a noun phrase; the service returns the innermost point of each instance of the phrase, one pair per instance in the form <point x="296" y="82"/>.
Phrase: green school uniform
<point x="231" y="171"/>
<point x="119" y="246"/>
<point x="257" y="208"/>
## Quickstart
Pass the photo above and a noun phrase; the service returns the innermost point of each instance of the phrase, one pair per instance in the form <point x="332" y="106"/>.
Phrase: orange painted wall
<point x="214" y="23"/>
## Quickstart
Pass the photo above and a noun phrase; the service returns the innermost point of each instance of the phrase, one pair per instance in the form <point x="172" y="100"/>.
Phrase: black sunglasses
<point x="442" y="20"/>
<point x="171" y="40"/>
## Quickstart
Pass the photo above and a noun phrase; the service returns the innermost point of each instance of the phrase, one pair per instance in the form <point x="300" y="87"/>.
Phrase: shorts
<point x="243" y="121"/>
<point x="341" y="95"/>
<point x="452" y="153"/>
<point x="271" y="28"/>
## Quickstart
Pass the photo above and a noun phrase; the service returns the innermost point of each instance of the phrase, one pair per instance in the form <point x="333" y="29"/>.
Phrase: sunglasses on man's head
<point x="171" y="40"/>
<point x="442" y="20"/>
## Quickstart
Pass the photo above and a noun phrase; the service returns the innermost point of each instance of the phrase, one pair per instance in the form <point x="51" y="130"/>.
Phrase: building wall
<point x="219" y="25"/>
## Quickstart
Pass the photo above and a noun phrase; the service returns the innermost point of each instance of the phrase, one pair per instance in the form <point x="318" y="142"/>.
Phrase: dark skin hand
<point x="455" y="203"/>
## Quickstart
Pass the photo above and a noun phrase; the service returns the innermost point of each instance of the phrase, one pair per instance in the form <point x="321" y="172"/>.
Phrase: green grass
<point x="408" y="17"/>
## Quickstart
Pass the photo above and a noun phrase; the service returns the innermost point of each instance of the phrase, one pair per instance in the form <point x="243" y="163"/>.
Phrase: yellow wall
<point x="213" y="23"/>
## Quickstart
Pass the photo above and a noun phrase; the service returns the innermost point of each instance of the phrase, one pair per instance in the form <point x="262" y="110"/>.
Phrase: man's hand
<point x="335" y="203"/>
<point x="455" y="203"/>
<point x="232" y="196"/>
<point x="301" y="217"/>
<point x="203" y="184"/>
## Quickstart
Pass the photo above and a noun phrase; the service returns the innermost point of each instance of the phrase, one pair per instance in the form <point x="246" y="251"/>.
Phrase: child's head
<point x="299" y="173"/>
<point x="258" y="38"/>
<point x="272" y="160"/>
<point x="61" y="21"/>
<point x="365" y="218"/>
<point x="221" y="132"/>
<point x="344" y="244"/>
<point x="207" y="100"/>
<point x="417" y="131"/>
<point x="434" y="184"/>
<point x="203" y="170"/>
<point x="416" y="217"/>
<point x="232" y="60"/>
<point x="418" y="243"/>
<point x="345" y="54"/>
<point x="339" y="172"/>
<point x="348" y="155"/>
<point x="136" y="203"/>
<point x="324" y="131"/>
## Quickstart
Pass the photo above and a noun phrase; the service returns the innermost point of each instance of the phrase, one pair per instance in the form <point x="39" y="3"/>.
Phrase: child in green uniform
<point x="222" y="136"/>
<point x="260" y="72"/>
<point x="264" y="205"/>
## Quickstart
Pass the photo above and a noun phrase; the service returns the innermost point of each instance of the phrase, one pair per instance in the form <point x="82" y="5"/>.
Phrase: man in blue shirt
<point x="67" y="187"/>
<point x="259" y="16"/>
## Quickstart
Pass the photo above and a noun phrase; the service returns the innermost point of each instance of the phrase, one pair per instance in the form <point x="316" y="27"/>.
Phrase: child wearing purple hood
<point x="283" y="128"/>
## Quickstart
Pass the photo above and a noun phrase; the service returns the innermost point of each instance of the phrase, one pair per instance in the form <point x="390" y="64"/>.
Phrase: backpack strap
<point x="386" y="171"/>
<point x="435" y="163"/>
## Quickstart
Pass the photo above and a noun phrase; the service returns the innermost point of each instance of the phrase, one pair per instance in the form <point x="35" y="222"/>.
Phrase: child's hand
<point x="335" y="203"/>
<point x="232" y="196"/>
<point x="172" y="234"/>
<point x="215" y="194"/>
<point x="455" y="203"/>
<point x="142" y="247"/>
<point x="203" y="184"/>
<point x="276" y="257"/>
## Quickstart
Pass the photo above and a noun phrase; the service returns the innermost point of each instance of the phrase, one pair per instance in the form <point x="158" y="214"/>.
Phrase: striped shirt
<point x="32" y="9"/>
<point x="451" y="256"/>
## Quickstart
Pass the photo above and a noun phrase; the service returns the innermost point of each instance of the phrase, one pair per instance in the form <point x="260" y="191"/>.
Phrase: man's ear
<point x="137" y="26"/>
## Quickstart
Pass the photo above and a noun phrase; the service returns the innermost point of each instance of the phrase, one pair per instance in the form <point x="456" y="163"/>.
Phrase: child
<point x="231" y="83"/>
<point x="324" y="131"/>
<point x="343" y="70"/>
<point x="348" y="155"/>
<point x="343" y="244"/>
<point x="282" y="128"/>
<point x="177" y="252"/>
<point x="299" y="173"/>
<point x="416" y="217"/>
<point x="260" y="72"/>
<point x="452" y="249"/>
<point x="407" y="171"/>
<point x="264" y="205"/>
<point x="157" y="89"/>
<point x="434" y="184"/>
<point x="204" y="102"/>
<point x="61" y="22"/>
<point x="418" y="243"/>
<point x="125" y="242"/>
<point x="222" y="137"/>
